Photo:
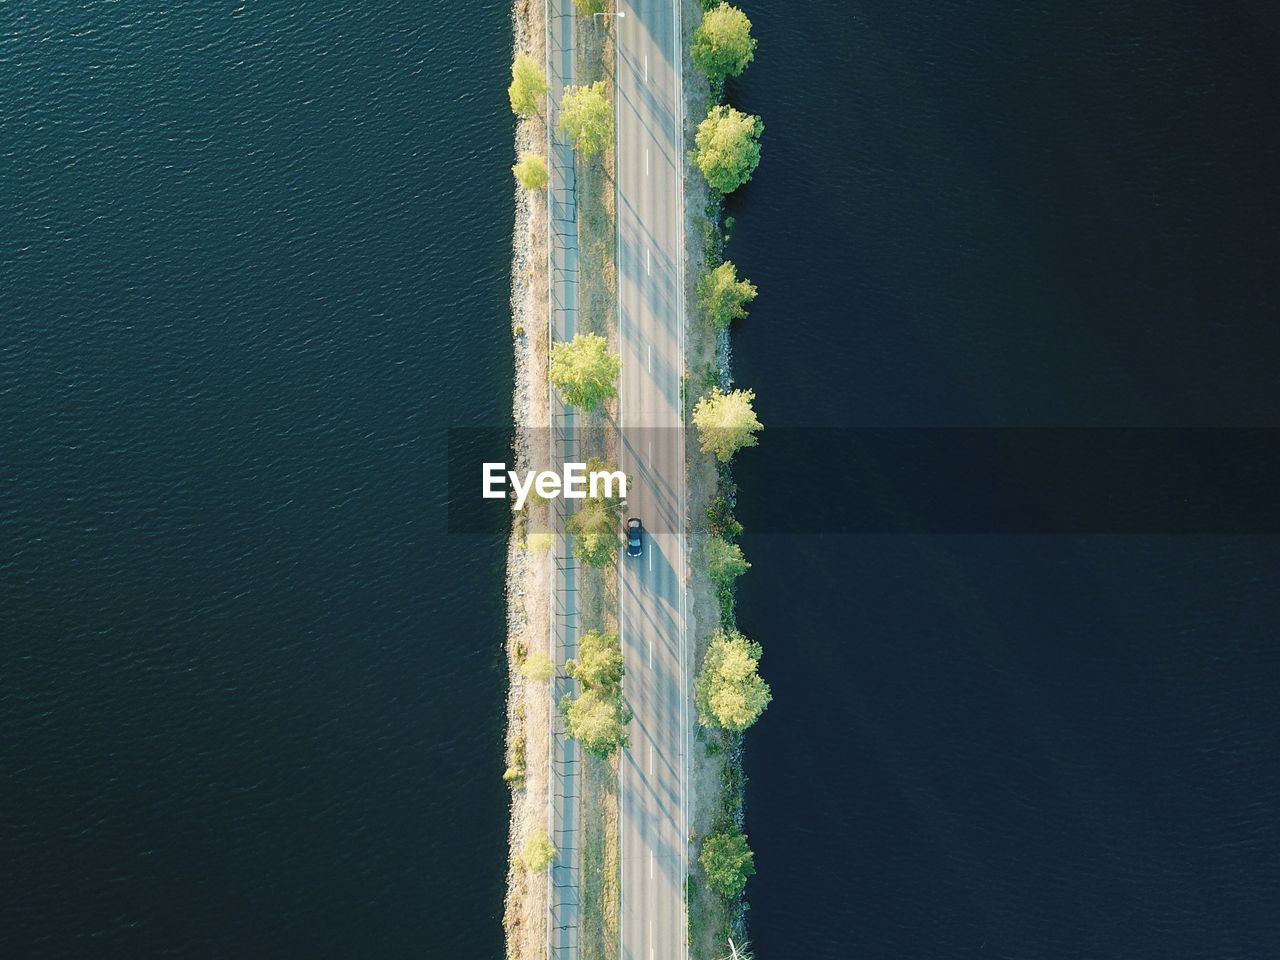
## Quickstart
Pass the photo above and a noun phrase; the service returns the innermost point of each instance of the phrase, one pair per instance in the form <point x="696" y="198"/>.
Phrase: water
<point x="982" y="216"/>
<point x="256" y="260"/>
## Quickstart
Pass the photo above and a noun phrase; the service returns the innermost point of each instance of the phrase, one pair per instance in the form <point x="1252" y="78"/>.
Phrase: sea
<point x="1011" y="739"/>
<point x="254" y="265"/>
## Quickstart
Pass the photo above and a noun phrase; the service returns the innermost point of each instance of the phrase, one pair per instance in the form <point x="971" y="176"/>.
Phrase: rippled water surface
<point x="255" y="260"/>
<point x="984" y="215"/>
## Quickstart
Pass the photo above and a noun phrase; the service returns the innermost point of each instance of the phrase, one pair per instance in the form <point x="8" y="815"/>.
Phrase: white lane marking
<point x="651" y="358"/>
<point x="648" y="263"/>
<point x="681" y="546"/>
<point x="650" y="454"/>
<point x="646" y="161"/>
<point x="651" y="571"/>
<point x="646" y="68"/>
<point x="650" y="864"/>
<point x="651" y="758"/>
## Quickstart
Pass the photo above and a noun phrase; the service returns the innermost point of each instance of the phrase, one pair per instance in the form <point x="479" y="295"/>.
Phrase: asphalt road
<point x="653" y="820"/>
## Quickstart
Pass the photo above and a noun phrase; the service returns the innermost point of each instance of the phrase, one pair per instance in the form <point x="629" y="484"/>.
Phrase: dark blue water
<point x="983" y="215"/>
<point x="255" y="260"/>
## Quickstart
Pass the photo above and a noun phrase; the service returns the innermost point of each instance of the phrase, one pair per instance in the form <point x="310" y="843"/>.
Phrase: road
<point x="653" y="799"/>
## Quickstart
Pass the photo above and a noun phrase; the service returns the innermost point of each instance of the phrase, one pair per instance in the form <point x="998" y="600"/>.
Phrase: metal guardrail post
<point x="562" y="277"/>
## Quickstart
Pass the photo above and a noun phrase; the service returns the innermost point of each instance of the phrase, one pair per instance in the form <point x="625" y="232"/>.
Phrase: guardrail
<point x="565" y="760"/>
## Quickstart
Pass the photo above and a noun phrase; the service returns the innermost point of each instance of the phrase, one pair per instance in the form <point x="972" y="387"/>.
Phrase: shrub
<point x="539" y="852"/>
<point x="594" y="528"/>
<point x="531" y="172"/>
<point x="528" y="83"/>
<point x="514" y="774"/>
<point x="721" y="520"/>
<point x="538" y="666"/>
<point x="728" y="862"/>
<point x="722" y="297"/>
<point x="725" y="562"/>
<point x="539" y="542"/>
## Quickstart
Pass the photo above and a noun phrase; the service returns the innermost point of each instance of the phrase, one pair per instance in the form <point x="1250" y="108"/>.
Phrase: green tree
<point x="584" y="371"/>
<point x="538" y="666"/>
<point x="539" y="851"/>
<point x="725" y="562"/>
<point x="515" y="772"/>
<point x="594" y="526"/>
<point x="589" y="7"/>
<point x="722" y="44"/>
<point x="599" y="661"/>
<point x="586" y="115"/>
<point x="726" y="422"/>
<point x="720" y="518"/>
<point x="728" y="143"/>
<point x="722" y="296"/>
<point x="728" y="690"/>
<point x="531" y="172"/>
<point x="728" y="862"/>
<point x="598" y="720"/>
<point x="597" y="464"/>
<point x="528" y="83"/>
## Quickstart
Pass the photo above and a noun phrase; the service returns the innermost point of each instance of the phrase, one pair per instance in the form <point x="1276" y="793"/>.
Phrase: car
<point x="634" y="546"/>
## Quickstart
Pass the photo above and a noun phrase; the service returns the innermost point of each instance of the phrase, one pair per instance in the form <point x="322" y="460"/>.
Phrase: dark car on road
<point x="633" y="537"/>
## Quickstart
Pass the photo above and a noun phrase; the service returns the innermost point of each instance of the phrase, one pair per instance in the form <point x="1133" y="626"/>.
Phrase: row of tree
<point x="728" y="151"/>
<point x="585" y="373"/>
<point x="729" y="692"/>
<point x="597" y="717"/>
<point x="730" y="695"/>
<point x="594" y="525"/>
<point x="586" y="116"/>
<point x="727" y="141"/>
